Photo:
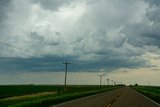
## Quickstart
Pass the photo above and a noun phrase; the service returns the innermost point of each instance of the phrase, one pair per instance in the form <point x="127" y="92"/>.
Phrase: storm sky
<point x="94" y="35"/>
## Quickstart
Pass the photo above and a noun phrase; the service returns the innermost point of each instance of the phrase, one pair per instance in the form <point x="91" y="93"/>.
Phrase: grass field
<point x="44" y="95"/>
<point x="152" y="92"/>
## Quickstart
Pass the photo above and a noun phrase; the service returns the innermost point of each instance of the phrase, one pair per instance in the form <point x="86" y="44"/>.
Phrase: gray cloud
<point x="147" y="31"/>
<point x="51" y="4"/>
<point x="3" y="5"/>
<point x="153" y="2"/>
<point x="91" y="34"/>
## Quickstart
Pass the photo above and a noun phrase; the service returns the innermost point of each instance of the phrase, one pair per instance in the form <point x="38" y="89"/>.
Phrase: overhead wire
<point x="4" y="43"/>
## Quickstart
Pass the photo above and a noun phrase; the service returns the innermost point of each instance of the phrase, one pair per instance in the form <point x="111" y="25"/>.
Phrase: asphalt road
<point x="123" y="97"/>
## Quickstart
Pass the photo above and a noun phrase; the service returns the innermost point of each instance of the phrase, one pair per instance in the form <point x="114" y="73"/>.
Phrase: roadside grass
<point x="72" y="92"/>
<point x="151" y="92"/>
<point x="28" y="96"/>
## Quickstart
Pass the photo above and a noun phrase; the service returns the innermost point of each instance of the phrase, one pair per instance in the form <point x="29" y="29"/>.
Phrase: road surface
<point x="123" y="97"/>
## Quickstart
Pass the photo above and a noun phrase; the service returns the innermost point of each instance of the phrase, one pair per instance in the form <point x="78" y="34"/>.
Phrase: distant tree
<point x="136" y="84"/>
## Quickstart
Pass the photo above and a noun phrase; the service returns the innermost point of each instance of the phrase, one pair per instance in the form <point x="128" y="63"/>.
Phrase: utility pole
<point x="100" y="79"/>
<point x="66" y="63"/>
<point x="148" y="83"/>
<point x="112" y="82"/>
<point x="107" y="81"/>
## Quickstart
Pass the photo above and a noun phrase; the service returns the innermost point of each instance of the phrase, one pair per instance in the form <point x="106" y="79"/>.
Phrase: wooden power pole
<point x="107" y="81"/>
<point x="65" y="78"/>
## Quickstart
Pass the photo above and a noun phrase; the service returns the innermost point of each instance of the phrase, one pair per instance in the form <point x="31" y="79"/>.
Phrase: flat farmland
<point x="45" y="95"/>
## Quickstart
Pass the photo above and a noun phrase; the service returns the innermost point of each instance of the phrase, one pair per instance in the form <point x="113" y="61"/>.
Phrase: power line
<point x="18" y="48"/>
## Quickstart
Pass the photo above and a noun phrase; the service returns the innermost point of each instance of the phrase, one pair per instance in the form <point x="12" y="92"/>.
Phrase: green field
<point x="152" y="92"/>
<point x="45" y="95"/>
<point x="17" y="90"/>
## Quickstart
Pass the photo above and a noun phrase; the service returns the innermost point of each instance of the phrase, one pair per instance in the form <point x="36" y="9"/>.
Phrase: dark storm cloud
<point x="148" y="31"/>
<point x="56" y="64"/>
<point x="153" y="2"/>
<point x="91" y="34"/>
<point x="32" y="64"/>
<point x="154" y="16"/>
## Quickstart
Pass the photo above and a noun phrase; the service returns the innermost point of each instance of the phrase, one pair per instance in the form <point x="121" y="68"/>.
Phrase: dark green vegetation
<point x="152" y="92"/>
<point x="17" y="90"/>
<point x="59" y="96"/>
